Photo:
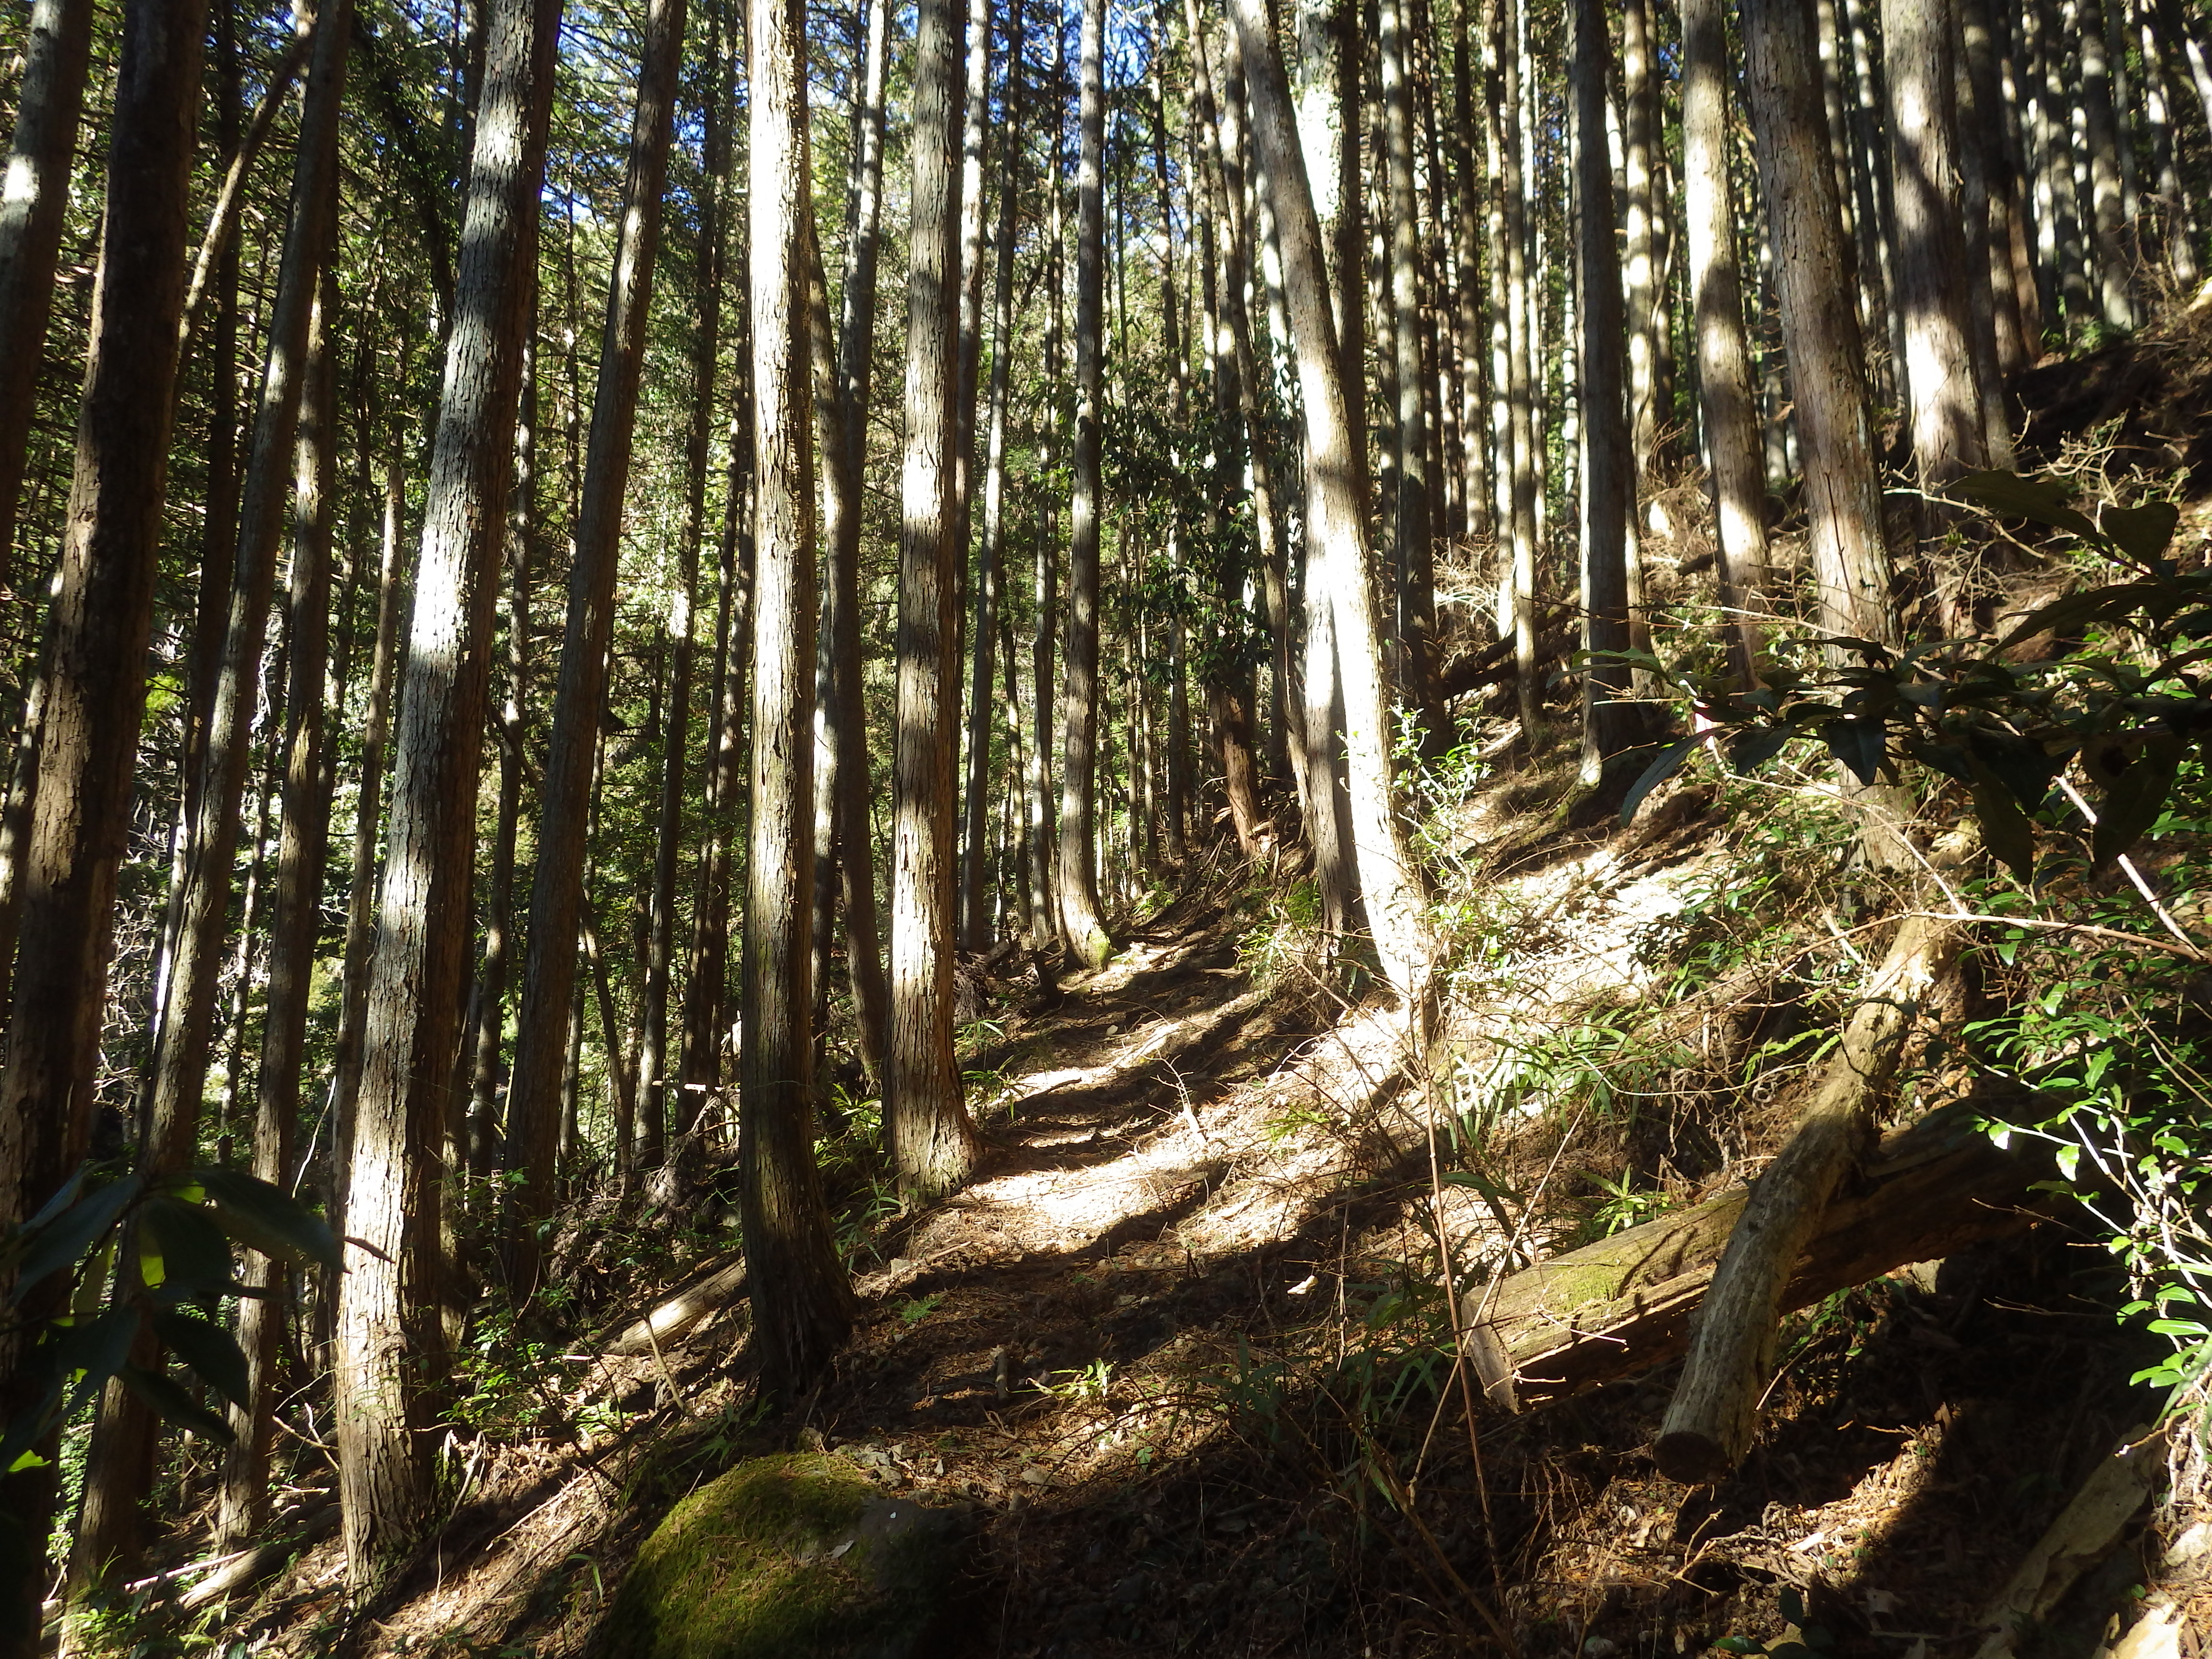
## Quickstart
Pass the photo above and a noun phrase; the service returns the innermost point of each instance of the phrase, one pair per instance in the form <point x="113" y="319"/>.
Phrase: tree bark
<point x="1819" y="324"/>
<point x="1734" y="463"/>
<point x="390" y="1344"/>
<point x="933" y="1144"/>
<point x="1412" y="512"/>
<point x="296" y="917"/>
<point x="96" y="702"/>
<point x="843" y="716"/>
<point x="1931" y="251"/>
<point x="1080" y="922"/>
<point x="1337" y="545"/>
<point x="1610" y="723"/>
<point x="557" y="888"/>
<point x="801" y="1300"/>
<point x="57" y="50"/>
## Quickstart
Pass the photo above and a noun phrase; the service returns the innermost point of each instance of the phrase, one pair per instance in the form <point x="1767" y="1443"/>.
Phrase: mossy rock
<point x="789" y="1558"/>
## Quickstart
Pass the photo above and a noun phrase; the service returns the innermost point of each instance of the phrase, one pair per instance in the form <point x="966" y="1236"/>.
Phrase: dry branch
<point x="1625" y="1304"/>
<point x="1709" y="1426"/>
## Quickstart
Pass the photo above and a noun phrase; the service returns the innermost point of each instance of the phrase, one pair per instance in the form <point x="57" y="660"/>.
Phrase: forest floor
<point x="1180" y="1346"/>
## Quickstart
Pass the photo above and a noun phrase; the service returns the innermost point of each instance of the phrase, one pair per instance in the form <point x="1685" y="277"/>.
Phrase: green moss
<point x="786" y="1558"/>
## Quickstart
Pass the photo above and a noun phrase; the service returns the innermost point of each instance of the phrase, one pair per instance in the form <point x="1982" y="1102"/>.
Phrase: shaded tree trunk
<point x="533" y="1103"/>
<point x="390" y="1344"/>
<point x="1081" y="924"/>
<point x="57" y="50"/>
<point x="96" y="702"/>
<point x="802" y="1304"/>
<point x="933" y="1144"/>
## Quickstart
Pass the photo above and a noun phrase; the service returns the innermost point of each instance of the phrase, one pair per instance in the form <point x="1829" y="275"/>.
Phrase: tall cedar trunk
<point x="1475" y="459"/>
<point x="687" y="1098"/>
<point x="2159" y="114"/>
<point x="1044" y="916"/>
<point x="933" y="1144"/>
<point x="990" y="569"/>
<point x="802" y="1303"/>
<point x="95" y="701"/>
<point x="534" y="1099"/>
<point x="1336" y="529"/>
<point x="706" y="980"/>
<point x="1734" y="462"/>
<point x="391" y="606"/>
<point x="57" y="50"/>
<point x="1946" y="407"/>
<point x="1608" y="483"/>
<point x="1819" y="326"/>
<point x="1984" y="216"/>
<point x="654" y="1102"/>
<point x="1415" y="620"/>
<point x="1522" y="435"/>
<point x="510" y="732"/>
<point x="296" y="919"/>
<point x="979" y="581"/>
<point x="2108" y="210"/>
<point x="1080" y="923"/>
<point x="1639" y="112"/>
<point x="390" y="1345"/>
<point x="843" y="716"/>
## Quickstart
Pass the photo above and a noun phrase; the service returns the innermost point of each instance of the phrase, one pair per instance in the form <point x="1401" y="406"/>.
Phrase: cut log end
<point x="1693" y="1457"/>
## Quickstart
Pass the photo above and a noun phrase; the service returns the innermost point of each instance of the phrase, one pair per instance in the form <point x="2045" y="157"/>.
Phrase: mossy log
<point x="1708" y="1424"/>
<point x="1625" y="1304"/>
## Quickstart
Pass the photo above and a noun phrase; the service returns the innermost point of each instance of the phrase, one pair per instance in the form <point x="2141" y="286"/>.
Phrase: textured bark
<point x="57" y="49"/>
<point x="802" y="1304"/>
<point x="1819" y="326"/>
<point x="556" y="889"/>
<point x="1610" y="723"/>
<point x="1414" y="624"/>
<point x="990" y="571"/>
<point x="1337" y="546"/>
<point x="2109" y="215"/>
<point x="933" y="1144"/>
<point x="1081" y="924"/>
<point x="95" y="701"/>
<point x="389" y="1341"/>
<point x="120" y="1460"/>
<point x="1992" y="313"/>
<point x="1734" y="462"/>
<point x="842" y="718"/>
<point x="1518" y="500"/>
<point x="1944" y="399"/>
<point x="1626" y="1304"/>
<point x="296" y="918"/>
<point x="1639" y="205"/>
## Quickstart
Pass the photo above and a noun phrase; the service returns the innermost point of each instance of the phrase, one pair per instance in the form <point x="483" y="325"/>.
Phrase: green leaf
<point x="96" y="1349"/>
<point x="269" y="1220"/>
<point x="1663" y="767"/>
<point x="194" y="1254"/>
<point x="2132" y="805"/>
<point x="169" y="1399"/>
<point x="64" y="1239"/>
<point x="1858" y="744"/>
<point x="1792" y="1604"/>
<point x="2141" y="533"/>
<point x="1749" y="750"/>
<point x="2040" y="501"/>
<point x="207" y="1349"/>
<point x="2022" y="765"/>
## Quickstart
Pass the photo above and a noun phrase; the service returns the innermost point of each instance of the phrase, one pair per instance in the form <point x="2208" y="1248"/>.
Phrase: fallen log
<point x="1709" y="1425"/>
<point x="1625" y="1304"/>
<point x="677" y="1315"/>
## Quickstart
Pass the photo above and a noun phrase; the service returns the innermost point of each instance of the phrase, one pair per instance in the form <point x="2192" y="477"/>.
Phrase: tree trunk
<point x="1412" y="512"/>
<point x="802" y="1304"/>
<point x="1819" y="324"/>
<point x="1519" y="441"/>
<point x="1610" y="723"/>
<point x="2108" y="213"/>
<point x="932" y="1144"/>
<point x="1080" y="923"/>
<point x="389" y="1341"/>
<point x="57" y="50"/>
<point x="843" y="718"/>
<point x="1336" y="532"/>
<point x="96" y="702"/>
<point x="295" y="919"/>
<point x="1931" y="252"/>
<point x="1985" y="212"/>
<point x="976" y="909"/>
<point x="1731" y="420"/>
<point x="534" y="1103"/>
